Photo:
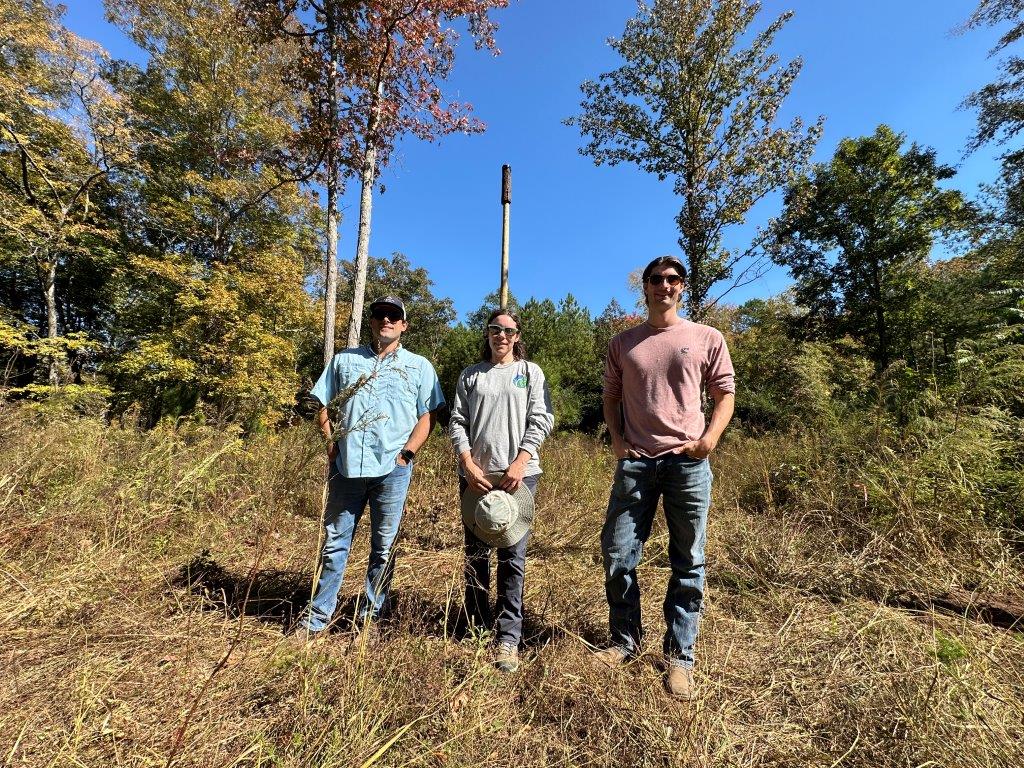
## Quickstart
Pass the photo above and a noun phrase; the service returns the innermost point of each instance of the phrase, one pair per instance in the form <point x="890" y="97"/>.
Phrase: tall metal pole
<point x="506" y="204"/>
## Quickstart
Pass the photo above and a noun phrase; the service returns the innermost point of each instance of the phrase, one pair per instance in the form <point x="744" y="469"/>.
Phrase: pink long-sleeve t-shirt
<point x="658" y="373"/>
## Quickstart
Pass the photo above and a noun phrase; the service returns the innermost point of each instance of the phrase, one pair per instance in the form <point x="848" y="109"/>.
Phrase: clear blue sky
<point x="581" y="229"/>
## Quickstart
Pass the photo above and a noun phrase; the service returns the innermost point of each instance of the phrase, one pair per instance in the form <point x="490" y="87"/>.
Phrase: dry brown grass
<point x="145" y="580"/>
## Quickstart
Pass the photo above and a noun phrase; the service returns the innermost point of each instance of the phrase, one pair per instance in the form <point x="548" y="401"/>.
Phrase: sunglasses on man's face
<point x="497" y="330"/>
<point x="381" y="313"/>
<point x="672" y="280"/>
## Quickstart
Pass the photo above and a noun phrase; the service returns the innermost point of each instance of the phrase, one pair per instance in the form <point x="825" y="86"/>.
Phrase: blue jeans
<point x="511" y="576"/>
<point x="685" y="485"/>
<point x="347" y="498"/>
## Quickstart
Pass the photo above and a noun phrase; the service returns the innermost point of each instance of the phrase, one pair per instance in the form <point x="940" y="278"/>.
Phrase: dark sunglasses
<point x="672" y="280"/>
<point x="497" y="330"/>
<point x="382" y="313"/>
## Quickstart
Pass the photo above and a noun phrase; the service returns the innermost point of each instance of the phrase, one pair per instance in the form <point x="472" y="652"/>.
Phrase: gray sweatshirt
<point x="500" y="410"/>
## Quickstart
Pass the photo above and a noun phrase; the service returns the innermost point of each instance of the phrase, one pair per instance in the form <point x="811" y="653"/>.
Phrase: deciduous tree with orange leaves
<point x="376" y="69"/>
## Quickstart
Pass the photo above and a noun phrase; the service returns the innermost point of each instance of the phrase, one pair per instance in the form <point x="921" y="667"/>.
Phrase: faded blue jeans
<point x="347" y="499"/>
<point x="685" y="486"/>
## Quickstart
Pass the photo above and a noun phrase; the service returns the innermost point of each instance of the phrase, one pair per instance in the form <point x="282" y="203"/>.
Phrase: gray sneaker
<point x="506" y="657"/>
<point x="302" y="636"/>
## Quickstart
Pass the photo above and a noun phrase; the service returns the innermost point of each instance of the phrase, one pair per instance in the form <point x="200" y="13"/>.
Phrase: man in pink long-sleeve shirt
<point x="654" y="375"/>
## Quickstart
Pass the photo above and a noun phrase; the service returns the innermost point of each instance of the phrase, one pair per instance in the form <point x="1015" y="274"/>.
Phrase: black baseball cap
<point x="393" y="301"/>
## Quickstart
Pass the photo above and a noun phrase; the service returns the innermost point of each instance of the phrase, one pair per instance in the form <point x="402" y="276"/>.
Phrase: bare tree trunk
<point x="50" y="294"/>
<point x="331" y="282"/>
<point x="882" y="356"/>
<point x="695" y="297"/>
<point x="369" y="177"/>
<point x="695" y="257"/>
<point x="333" y="181"/>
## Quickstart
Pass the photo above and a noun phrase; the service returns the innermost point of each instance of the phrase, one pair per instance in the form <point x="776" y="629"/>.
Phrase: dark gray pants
<point x="511" y="575"/>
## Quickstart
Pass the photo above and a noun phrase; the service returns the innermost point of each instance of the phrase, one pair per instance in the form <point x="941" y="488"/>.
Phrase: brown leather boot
<point x="679" y="682"/>
<point x="612" y="657"/>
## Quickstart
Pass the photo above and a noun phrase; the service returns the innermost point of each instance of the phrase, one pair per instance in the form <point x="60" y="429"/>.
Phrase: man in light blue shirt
<point x="387" y="397"/>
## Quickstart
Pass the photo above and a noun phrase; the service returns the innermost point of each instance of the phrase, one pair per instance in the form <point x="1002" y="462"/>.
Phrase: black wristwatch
<point x="407" y="455"/>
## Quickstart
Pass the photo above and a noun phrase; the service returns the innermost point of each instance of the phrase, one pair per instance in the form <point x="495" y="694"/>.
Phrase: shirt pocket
<point x="405" y="383"/>
<point x="345" y="378"/>
<point x="398" y="388"/>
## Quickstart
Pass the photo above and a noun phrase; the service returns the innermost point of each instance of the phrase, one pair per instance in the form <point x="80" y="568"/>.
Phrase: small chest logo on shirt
<point x="684" y="351"/>
<point x="520" y="381"/>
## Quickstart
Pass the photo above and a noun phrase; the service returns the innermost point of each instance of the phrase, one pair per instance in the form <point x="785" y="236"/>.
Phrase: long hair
<point x="518" y="349"/>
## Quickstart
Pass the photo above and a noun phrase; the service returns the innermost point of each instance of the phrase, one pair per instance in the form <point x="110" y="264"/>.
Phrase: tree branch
<point x="27" y="156"/>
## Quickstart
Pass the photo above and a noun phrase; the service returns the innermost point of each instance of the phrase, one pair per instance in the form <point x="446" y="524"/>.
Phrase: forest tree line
<point x="168" y="229"/>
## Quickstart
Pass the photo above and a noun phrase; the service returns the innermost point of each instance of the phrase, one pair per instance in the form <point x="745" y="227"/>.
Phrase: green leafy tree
<point x="790" y="384"/>
<point x="989" y="326"/>
<point x="84" y="292"/>
<point x="613" y="320"/>
<point x="958" y="282"/>
<point x="692" y="104"/>
<point x="214" y="308"/>
<point x="430" y="316"/>
<point x="478" y="318"/>
<point x="561" y="340"/>
<point x="461" y="348"/>
<point x="856" y="233"/>
<point x="1000" y="105"/>
<point x="63" y="135"/>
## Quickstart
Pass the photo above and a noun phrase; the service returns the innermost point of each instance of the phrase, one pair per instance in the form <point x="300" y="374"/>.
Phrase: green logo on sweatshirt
<point x="521" y="381"/>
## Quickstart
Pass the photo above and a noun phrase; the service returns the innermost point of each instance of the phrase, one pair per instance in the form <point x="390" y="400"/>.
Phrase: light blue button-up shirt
<point x="382" y="398"/>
